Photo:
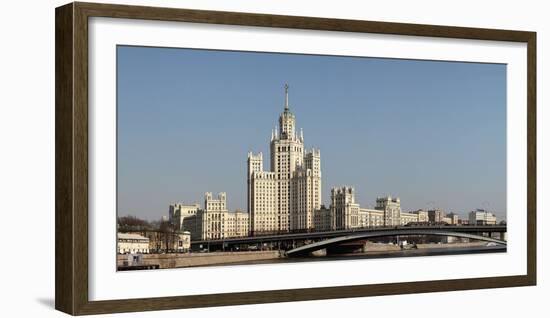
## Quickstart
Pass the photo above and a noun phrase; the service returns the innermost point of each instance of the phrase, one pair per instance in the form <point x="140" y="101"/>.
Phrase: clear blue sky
<point x="432" y="133"/>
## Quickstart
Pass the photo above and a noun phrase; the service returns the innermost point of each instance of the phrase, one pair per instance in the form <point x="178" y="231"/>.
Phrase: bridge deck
<point x="331" y="234"/>
<point x="355" y="237"/>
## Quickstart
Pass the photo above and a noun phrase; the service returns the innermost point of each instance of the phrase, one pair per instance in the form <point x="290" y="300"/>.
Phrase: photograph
<point x="290" y="157"/>
<point x="242" y="158"/>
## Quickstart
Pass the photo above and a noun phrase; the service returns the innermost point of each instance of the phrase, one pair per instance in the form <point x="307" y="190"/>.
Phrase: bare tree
<point x="168" y="233"/>
<point x="130" y="223"/>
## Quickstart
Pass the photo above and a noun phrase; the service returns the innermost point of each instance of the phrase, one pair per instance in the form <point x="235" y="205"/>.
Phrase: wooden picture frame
<point x="71" y="90"/>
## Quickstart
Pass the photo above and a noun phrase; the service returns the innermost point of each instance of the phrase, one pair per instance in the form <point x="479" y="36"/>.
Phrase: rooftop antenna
<point x="286" y="96"/>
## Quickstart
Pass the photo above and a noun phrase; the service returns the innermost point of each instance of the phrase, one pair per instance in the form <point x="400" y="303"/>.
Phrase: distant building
<point x="177" y="212"/>
<point x="129" y="243"/>
<point x="236" y="224"/>
<point x="447" y="220"/>
<point x="455" y="220"/>
<point x="372" y="217"/>
<point x="423" y="216"/>
<point x="481" y="217"/>
<point x="183" y="242"/>
<point x="215" y="221"/>
<point x="345" y="213"/>
<point x="436" y="215"/>
<point x="168" y="240"/>
<point x="408" y="217"/>
<point x="344" y="210"/>
<point x="392" y="210"/>
<point x="322" y="219"/>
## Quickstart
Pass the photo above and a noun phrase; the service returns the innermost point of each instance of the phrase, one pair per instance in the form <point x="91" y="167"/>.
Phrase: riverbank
<point x="371" y="250"/>
<point x="175" y="260"/>
<point x="451" y="245"/>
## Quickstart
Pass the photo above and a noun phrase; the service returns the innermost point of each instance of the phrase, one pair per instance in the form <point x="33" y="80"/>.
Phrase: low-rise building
<point x="183" y="243"/>
<point x="481" y="217"/>
<point x="447" y="220"/>
<point x="372" y="217"/>
<point x="322" y="219"/>
<point x="422" y="216"/>
<point x="436" y="215"/>
<point x="166" y="240"/>
<point x="130" y="243"/>
<point x="409" y="217"/>
<point x="454" y="218"/>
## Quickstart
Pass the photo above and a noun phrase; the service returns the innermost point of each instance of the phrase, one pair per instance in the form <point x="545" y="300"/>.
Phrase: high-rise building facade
<point x="284" y="198"/>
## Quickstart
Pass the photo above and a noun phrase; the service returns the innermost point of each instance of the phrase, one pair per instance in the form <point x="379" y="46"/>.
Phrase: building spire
<point x="286" y="96"/>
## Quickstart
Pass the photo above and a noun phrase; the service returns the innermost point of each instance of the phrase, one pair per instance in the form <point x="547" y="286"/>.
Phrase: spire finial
<point x="286" y="96"/>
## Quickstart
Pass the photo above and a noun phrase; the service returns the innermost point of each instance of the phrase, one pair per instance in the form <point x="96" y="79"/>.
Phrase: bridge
<point x="289" y="241"/>
<point x="309" y="248"/>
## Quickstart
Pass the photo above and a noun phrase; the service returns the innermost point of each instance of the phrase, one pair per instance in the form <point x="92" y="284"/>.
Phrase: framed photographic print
<point x="287" y="158"/>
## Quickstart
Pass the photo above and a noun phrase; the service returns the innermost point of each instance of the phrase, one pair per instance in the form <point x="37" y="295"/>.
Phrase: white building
<point x="447" y="220"/>
<point x="454" y="218"/>
<point x="481" y="217"/>
<point x="423" y="216"/>
<point x="372" y="217"/>
<point x="183" y="243"/>
<point x="132" y="244"/>
<point x="344" y="210"/>
<point x="285" y="197"/>
<point x="215" y="221"/>
<point x="392" y="210"/>
<point x="436" y="215"/>
<point x="177" y="212"/>
<point x="408" y="217"/>
<point x="346" y="214"/>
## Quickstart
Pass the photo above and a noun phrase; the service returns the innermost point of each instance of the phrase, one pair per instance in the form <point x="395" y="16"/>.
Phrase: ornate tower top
<point x="287" y="121"/>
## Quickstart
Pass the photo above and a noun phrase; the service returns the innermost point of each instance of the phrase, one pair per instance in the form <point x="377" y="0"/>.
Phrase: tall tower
<point x="287" y="155"/>
<point x="285" y="197"/>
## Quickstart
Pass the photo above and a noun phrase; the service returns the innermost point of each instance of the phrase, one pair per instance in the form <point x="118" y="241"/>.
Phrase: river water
<point x="384" y="254"/>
